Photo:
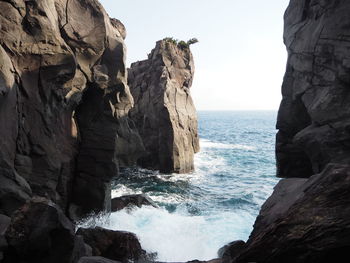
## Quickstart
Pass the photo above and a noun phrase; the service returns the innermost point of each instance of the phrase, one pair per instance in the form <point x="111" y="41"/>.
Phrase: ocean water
<point x="218" y="203"/>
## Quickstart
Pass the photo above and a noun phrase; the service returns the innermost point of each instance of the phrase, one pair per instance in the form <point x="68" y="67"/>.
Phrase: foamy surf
<point x="204" y="210"/>
<point x="218" y="145"/>
<point x="179" y="236"/>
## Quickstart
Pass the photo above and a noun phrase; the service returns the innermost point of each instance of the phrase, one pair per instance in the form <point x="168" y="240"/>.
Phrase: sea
<point x="218" y="203"/>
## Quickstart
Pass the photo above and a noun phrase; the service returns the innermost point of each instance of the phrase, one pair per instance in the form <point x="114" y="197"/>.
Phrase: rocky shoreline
<point x="71" y="114"/>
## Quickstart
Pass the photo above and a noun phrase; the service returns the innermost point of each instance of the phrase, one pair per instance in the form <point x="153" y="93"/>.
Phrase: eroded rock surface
<point x="313" y="119"/>
<point x="307" y="218"/>
<point x="164" y="113"/>
<point x="64" y="102"/>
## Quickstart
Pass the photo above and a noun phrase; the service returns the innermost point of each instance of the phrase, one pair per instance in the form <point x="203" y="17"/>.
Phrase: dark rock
<point x="115" y="245"/>
<point x="314" y="228"/>
<point x="313" y="118"/>
<point x="14" y="191"/>
<point x="4" y="223"/>
<point x="40" y="232"/>
<point x="231" y="250"/>
<point x="164" y="113"/>
<point x="80" y="249"/>
<point x="63" y="98"/>
<point x="96" y="260"/>
<point x="138" y="200"/>
<point x="285" y="194"/>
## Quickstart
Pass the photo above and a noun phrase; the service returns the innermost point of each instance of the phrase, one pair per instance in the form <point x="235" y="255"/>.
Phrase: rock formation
<point x="64" y="103"/>
<point x="164" y="113"/>
<point x="130" y="201"/>
<point x="115" y="245"/>
<point x="307" y="219"/>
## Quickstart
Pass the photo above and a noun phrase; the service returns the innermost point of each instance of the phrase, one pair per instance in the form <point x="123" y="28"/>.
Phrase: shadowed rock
<point x="164" y="113"/>
<point x="307" y="219"/>
<point x="230" y="251"/>
<point x="313" y="118"/>
<point x="139" y="200"/>
<point x="115" y="245"/>
<point x="315" y="228"/>
<point x="40" y="232"/>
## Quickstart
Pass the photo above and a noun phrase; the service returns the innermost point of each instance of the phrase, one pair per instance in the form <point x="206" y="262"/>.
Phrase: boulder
<point x="230" y="251"/>
<point x="40" y="232"/>
<point x="164" y="113"/>
<point x="115" y="245"/>
<point x="138" y="200"/>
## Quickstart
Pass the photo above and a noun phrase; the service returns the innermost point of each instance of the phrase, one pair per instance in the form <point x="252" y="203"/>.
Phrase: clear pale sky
<point x="240" y="58"/>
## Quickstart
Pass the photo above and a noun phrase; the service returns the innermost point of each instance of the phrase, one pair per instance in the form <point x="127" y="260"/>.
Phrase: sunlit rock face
<point x="164" y="113"/>
<point x="307" y="218"/>
<point x="64" y="102"/>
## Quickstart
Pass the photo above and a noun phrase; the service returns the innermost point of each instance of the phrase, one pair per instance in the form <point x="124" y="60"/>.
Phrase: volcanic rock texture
<point x="307" y="219"/>
<point x="64" y="102"/>
<point x="164" y="113"/>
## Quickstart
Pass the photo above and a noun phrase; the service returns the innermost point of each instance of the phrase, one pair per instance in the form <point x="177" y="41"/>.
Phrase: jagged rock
<point x="230" y="251"/>
<point x="138" y="200"/>
<point x="14" y="191"/>
<point x="63" y="97"/>
<point x="164" y="113"/>
<point x="40" y="232"/>
<point x="315" y="228"/>
<point x="115" y="245"/>
<point x="313" y="119"/>
<point x="96" y="260"/>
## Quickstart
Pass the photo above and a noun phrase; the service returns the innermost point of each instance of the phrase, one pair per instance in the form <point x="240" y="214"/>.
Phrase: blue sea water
<point x="218" y="203"/>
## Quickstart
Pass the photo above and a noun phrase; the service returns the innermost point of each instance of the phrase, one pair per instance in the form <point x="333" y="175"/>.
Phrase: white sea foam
<point x="179" y="236"/>
<point x="120" y="190"/>
<point x="218" y="145"/>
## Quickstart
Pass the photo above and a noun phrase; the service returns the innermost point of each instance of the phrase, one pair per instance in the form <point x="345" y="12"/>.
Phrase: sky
<point x="240" y="58"/>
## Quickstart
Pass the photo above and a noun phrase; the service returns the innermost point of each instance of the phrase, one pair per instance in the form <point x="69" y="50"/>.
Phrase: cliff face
<point x="164" y="113"/>
<point x="307" y="218"/>
<point x="64" y="101"/>
<point x="313" y="119"/>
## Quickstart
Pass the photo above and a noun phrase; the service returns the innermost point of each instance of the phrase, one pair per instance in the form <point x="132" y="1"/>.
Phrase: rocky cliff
<point x="164" y="113"/>
<point x="307" y="219"/>
<point x="64" y="103"/>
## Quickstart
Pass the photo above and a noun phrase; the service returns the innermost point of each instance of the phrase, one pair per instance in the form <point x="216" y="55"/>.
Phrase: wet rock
<point x="230" y="251"/>
<point x="115" y="245"/>
<point x="96" y="260"/>
<point x="40" y="232"/>
<point x="164" y="113"/>
<point x="138" y="200"/>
